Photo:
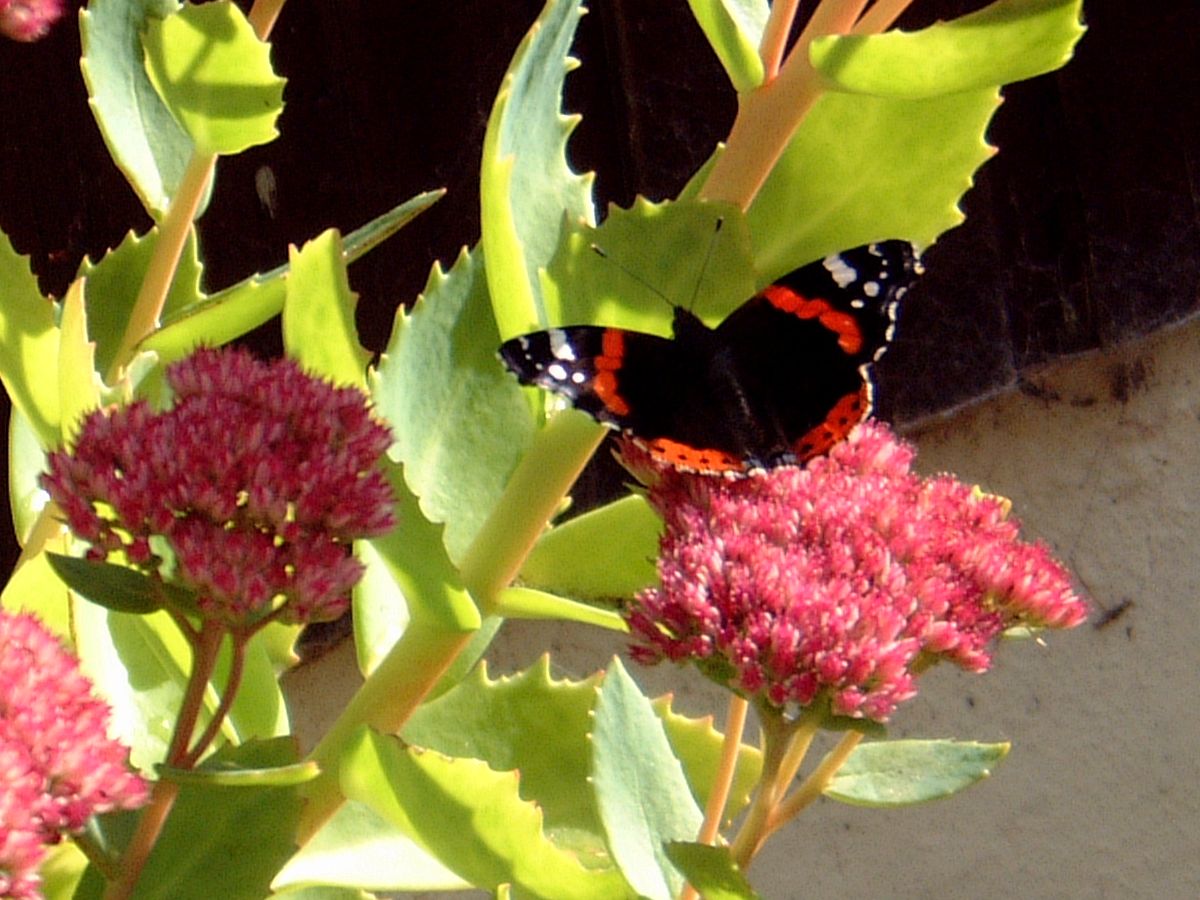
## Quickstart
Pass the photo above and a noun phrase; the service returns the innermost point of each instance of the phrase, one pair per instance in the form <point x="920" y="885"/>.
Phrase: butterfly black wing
<point x="803" y="348"/>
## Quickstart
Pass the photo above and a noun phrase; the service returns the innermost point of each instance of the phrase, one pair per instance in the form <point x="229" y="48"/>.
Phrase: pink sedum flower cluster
<point x="58" y="766"/>
<point x="258" y="479"/>
<point x="840" y="580"/>
<point x="28" y="20"/>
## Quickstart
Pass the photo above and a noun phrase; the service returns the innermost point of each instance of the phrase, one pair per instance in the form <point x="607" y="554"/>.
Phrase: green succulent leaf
<point x="655" y="256"/>
<point x="116" y="587"/>
<point x="734" y="29"/>
<point x="864" y="168"/>
<point x="215" y="76"/>
<point x="149" y="147"/>
<point x="113" y="283"/>
<point x="218" y="319"/>
<point x="891" y="774"/>
<point x="1008" y="41"/>
<point x="460" y="421"/>
<point x="607" y="552"/>
<point x="29" y="346"/>
<point x="711" y="871"/>
<point x="202" y="851"/>
<point x="409" y="577"/>
<point x="357" y="848"/>
<point x="527" y="189"/>
<point x="893" y="157"/>
<point x="318" y="315"/>
<point x="643" y="796"/>
<point x="527" y="603"/>
<point x="538" y="725"/>
<point x="470" y="817"/>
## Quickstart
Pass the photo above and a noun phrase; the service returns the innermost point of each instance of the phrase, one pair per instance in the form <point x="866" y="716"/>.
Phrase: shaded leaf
<point x="711" y="871"/>
<point x="118" y="588"/>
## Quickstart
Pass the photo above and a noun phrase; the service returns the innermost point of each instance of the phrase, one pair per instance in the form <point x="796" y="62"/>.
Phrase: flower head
<point x="58" y="766"/>
<point x="28" y="20"/>
<point x="258" y="479"/>
<point x="839" y="580"/>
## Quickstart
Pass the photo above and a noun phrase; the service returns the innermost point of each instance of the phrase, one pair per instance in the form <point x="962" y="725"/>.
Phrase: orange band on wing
<point x="849" y="335"/>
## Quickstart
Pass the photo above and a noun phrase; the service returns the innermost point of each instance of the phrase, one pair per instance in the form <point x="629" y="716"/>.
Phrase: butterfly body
<point x="780" y="380"/>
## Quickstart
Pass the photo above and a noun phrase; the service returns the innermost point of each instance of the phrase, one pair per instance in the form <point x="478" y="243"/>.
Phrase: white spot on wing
<point x="840" y="270"/>
<point x="871" y="288"/>
<point x="557" y="372"/>
<point x="560" y="347"/>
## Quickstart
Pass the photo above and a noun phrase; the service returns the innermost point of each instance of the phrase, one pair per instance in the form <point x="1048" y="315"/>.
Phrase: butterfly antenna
<point x="712" y="244"/>
<point x="600" y="252"/>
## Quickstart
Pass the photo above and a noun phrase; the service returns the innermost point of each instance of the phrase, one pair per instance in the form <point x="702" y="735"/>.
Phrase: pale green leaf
<point x="527" y="189"/>
<point x="471" y="818"/>
<point x="232" y="312"/>
<point x="215" y="76"/>
<point x="460" y="421"/>
<point x="862" y="169"/>
<point x="902" y="773"/>
<point x="113" y="283"/>
<point x="527" y="603"/>
<point x="356" y="848"/>
<point x="409" y="577"/>
<point x="655" y="256"/>
<point x="642" y="794"/>
<point x="78" y="384"/>
<point x="147" y="144"/>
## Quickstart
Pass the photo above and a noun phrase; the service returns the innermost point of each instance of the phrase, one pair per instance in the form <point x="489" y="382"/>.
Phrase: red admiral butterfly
<point x="781" y="380"/>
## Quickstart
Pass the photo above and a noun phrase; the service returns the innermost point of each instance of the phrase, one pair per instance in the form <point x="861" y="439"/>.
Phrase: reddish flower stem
<point x="237" y="666"/>
<point x="718" y="798"/>
<point x="775" y="35"/>
<point x="812" y="787"/>
<point x="162" y="797"/>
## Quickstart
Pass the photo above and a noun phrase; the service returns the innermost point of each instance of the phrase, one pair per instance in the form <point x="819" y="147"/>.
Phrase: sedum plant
<point x="184" y="508"/>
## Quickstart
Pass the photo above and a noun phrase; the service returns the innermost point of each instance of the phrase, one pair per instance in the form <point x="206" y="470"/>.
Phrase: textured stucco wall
<point x="1100" y="796"/>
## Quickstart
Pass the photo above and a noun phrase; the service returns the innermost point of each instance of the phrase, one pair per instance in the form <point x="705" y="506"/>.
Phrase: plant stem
<point x="172" y="237"/>
<point x="784" y="746"/>
<point x="162" y="796"/>
<point x="237" y="666"/>
<point x="768" y="117"/>
<point x="775" y="36"/>
<point x="718" y="797"/>
<point x="154" y="816"/>
<point x="812" y="787"/>
<point x="533" y="495"/>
